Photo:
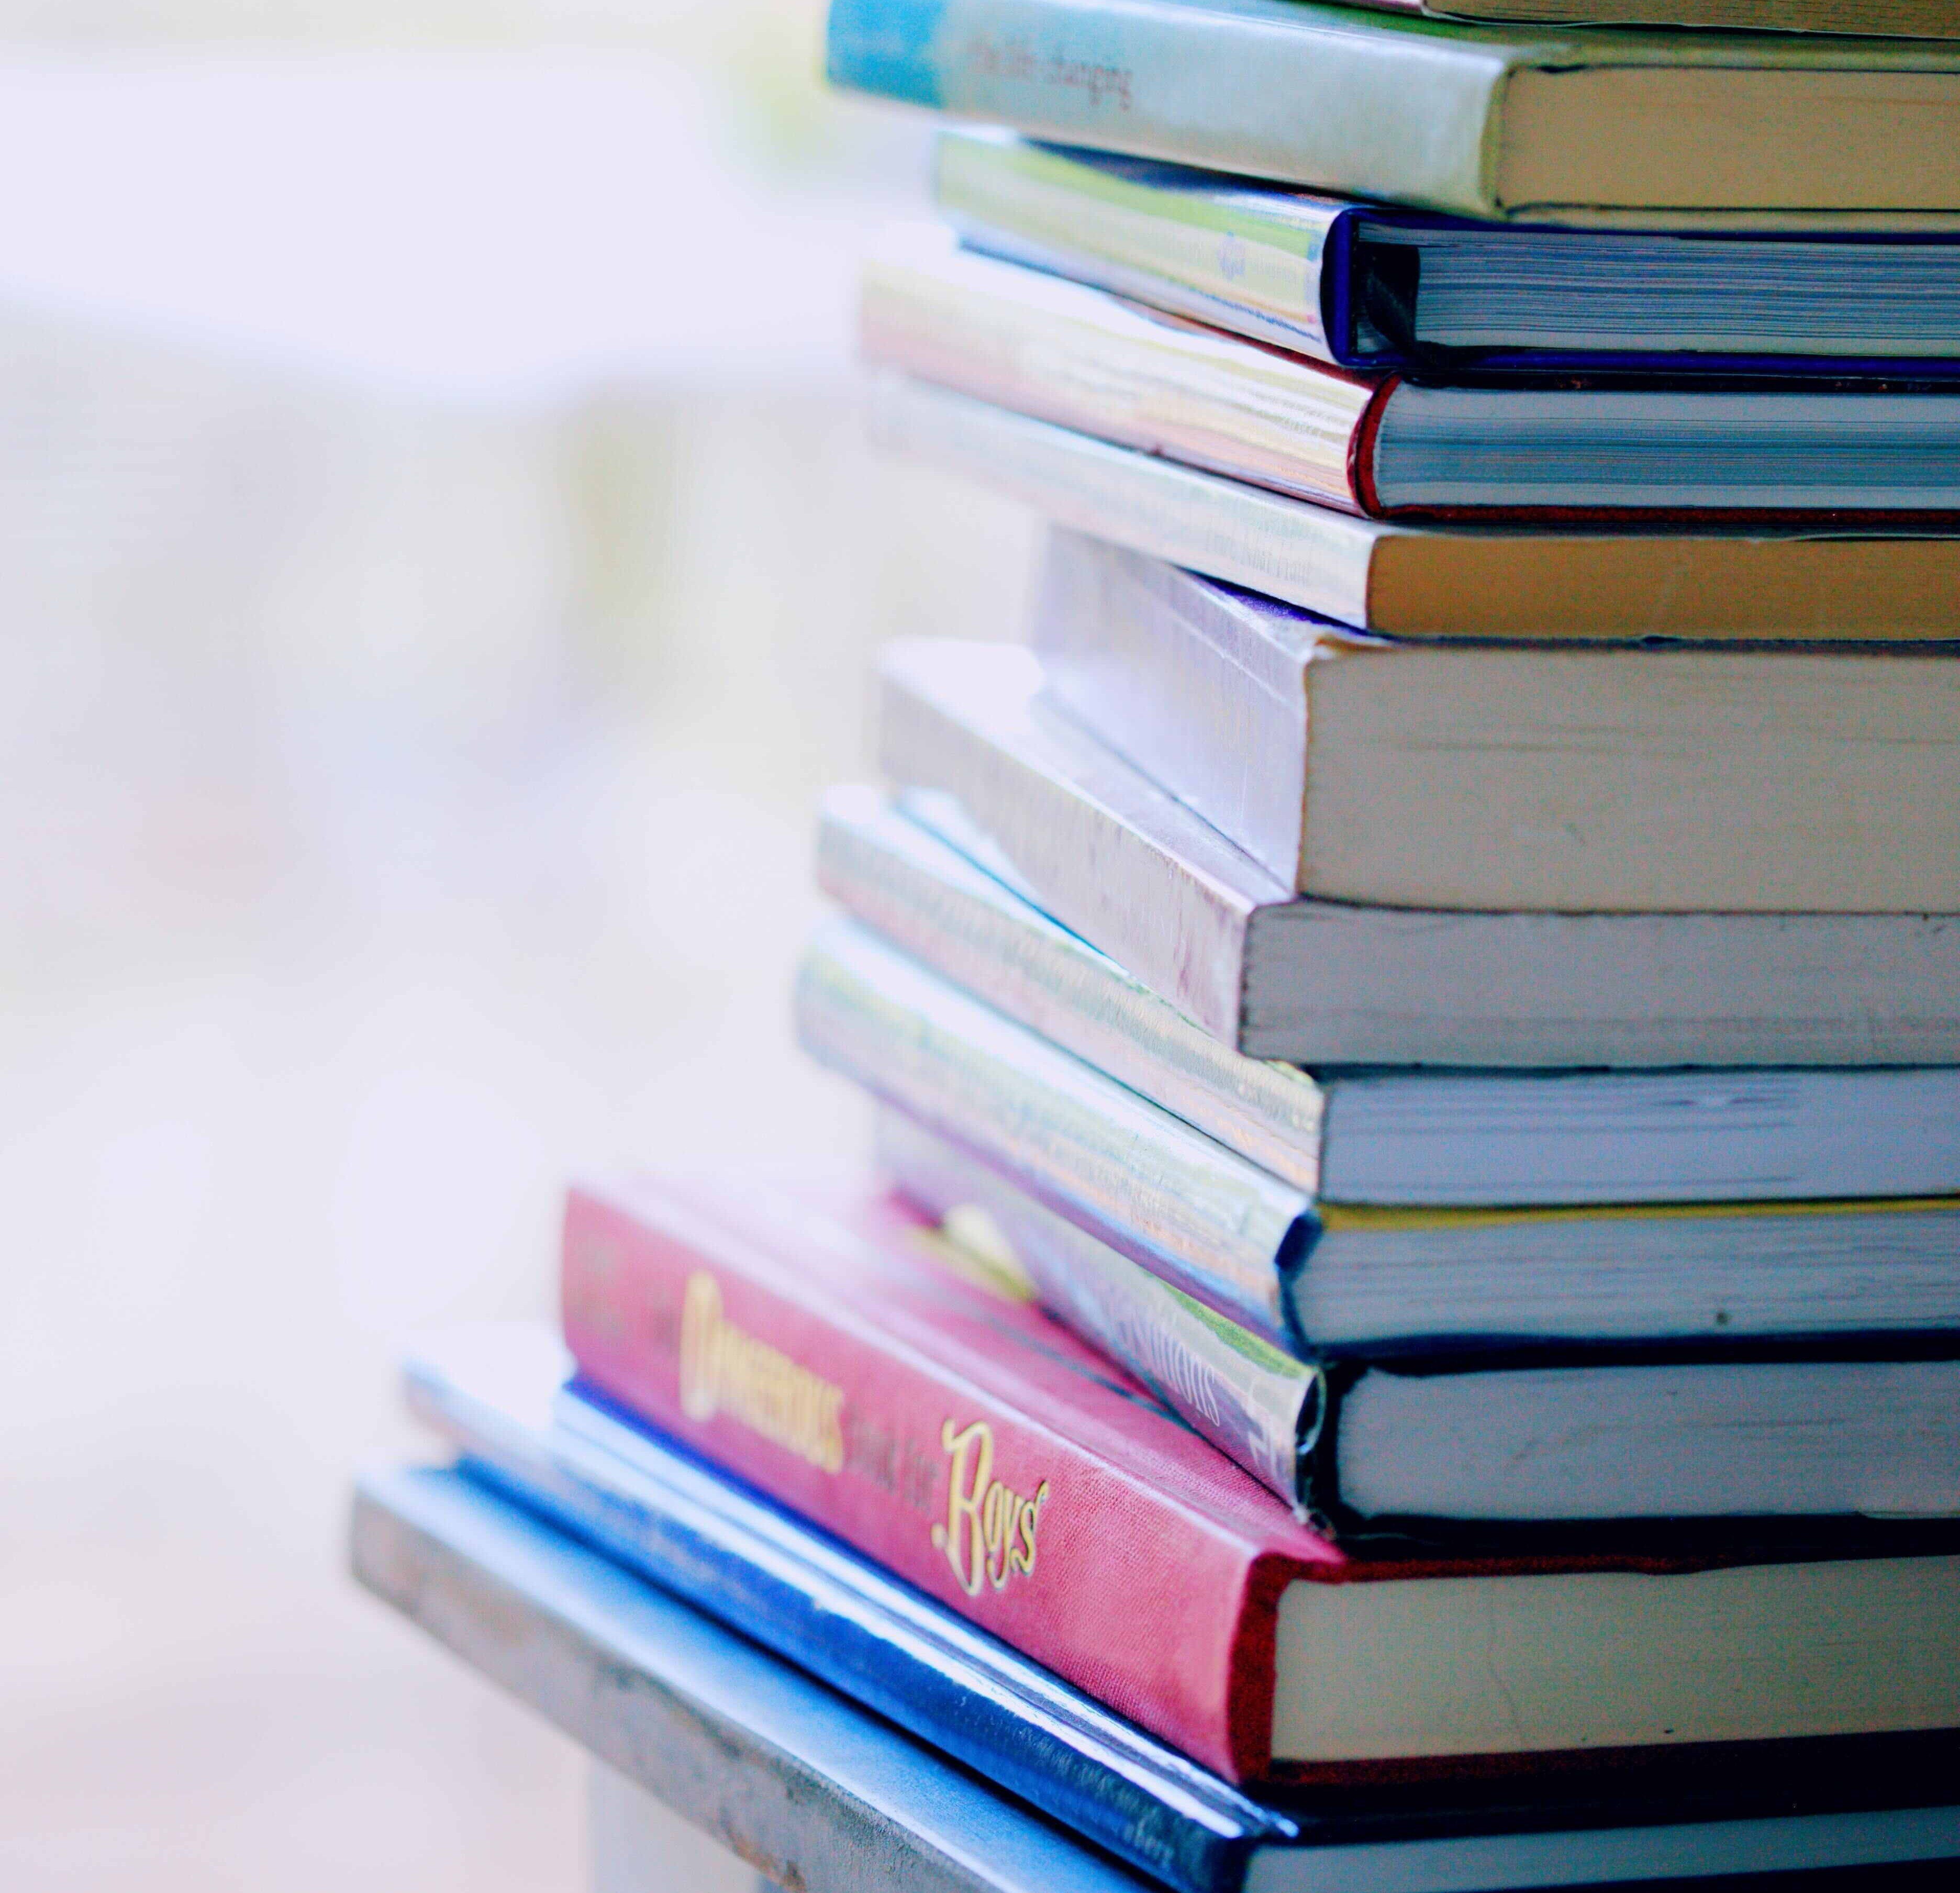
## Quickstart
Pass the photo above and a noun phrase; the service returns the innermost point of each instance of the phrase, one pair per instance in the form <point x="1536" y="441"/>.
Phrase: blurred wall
<point x="438" y="563"/>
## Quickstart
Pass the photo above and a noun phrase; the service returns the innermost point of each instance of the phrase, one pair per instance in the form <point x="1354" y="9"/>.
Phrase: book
<point x="1838" y="1454"/>
<point x="680" y="1705"/>
<point x="1533" y="123"/>
<point x="501" y="1395"/>
<point x="980" y="760"/>
<point x="970" y="1445"/>
<point x="1412" y="581"/>
<point x="1366" y="286"/>
<point x="1354" y="1279"/>
<point x="1489" y="777"/>
<point x="779" y="1766"/>
<point x="1404" y="446"/>
<point x="1908" y="19"/>
<point x="1413" y="1137"/>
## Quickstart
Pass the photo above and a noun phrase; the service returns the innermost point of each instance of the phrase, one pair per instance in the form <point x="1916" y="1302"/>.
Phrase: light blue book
<point x="1766" y="131"/>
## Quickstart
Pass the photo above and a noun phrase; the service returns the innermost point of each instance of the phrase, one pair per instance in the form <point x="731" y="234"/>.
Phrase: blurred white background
<point x="438" y="566"/>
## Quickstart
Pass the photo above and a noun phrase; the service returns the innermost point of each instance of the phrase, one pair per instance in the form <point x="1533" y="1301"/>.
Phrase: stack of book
<point x="1407" y="1331"/>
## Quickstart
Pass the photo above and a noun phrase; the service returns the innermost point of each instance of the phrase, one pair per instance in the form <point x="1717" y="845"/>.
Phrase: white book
<point x="1118" y="860"/>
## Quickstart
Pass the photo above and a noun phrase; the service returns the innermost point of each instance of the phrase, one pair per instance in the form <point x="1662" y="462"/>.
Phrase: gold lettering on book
<point x="989" y="1530"/>
<point x="724" y="1370"/>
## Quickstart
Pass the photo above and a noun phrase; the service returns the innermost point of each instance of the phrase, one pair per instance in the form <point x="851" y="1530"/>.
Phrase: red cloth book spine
<point x="964" y="1440"/>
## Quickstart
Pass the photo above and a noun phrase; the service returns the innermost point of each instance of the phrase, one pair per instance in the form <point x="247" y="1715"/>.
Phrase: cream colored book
<point x="1492" y="778"/>
<point x="979" y="757"/>
<point x="1421" y="582"/>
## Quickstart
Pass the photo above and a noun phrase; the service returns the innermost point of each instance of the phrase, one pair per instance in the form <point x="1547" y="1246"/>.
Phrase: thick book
<point x="1571" y="127"/>
<point x="1396" y="445"/>
<point x="1367" y="286"/>
<point x="1480" y="1446"/>
<point x="804" y="1341"/>
<point x="543" y="1590"/>
<point x="1410" y="1138"/>
<point x="1485" y="777"/>
<point x="1413" y="581"/>
<point x="977" y="757"/>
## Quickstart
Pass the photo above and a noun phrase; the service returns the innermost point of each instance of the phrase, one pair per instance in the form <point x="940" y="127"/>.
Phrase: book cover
<point x="912" y="888"/>
<point x="1579" y="127"/>
<point x="786" y="1340"/>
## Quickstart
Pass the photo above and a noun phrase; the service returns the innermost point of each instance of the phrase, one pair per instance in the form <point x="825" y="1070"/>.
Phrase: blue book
<point x="1370" y="287"/>
<point x="500" y="1395"/>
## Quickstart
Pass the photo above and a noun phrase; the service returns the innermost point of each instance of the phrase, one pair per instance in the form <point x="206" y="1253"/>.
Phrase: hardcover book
<point x="1115" y="858"/>
<point x="1410" y="446"/>
<point x="498" y="1395"/>
<point x="1430" y="582"/>
<point x="803" y="1341"/>
<point x="1366" y="286"/>
<point x="1576" y="127"/>
<point x="1410" y="1138"/>
<point x="1492" y="778"/>
<point x="1483" y="1443"/>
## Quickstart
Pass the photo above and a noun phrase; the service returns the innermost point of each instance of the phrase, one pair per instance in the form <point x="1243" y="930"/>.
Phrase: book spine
<point x="1180" y="241"/>
<point x="950" y="1487"/>
<point x="1167" y="1196"/>
<point x="1383" y="109"/>
<point x="918" y="892"/>
<point x="1311" y="556"/>
<point x="1253" y="1401"/>
<point x="1170" y="900"/>
<point x="1084" y="359"/>
<point x="1176" y="676"/>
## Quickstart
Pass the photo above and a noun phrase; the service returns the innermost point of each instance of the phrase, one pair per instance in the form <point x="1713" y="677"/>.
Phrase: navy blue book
<point x="1374" y="286"/>
<point x="499" y="1394"/>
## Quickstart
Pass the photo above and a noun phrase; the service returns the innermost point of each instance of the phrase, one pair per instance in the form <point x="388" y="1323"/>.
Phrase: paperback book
<point x="1446" y="582"/>
<point x="978" y="758"/>
<point x="1490" y="777"/>
<point x="1410" y="1138"/>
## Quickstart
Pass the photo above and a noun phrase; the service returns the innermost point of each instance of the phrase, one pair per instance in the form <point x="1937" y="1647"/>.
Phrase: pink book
<point x="815" y="1341"/>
